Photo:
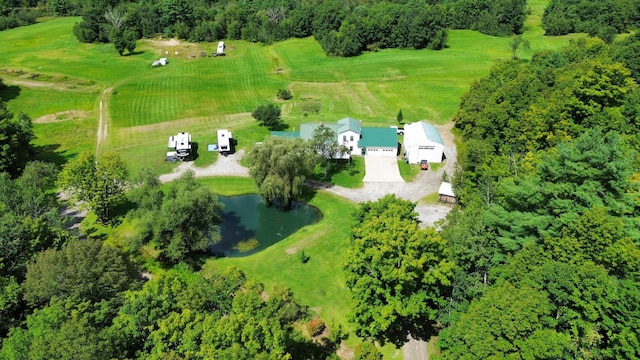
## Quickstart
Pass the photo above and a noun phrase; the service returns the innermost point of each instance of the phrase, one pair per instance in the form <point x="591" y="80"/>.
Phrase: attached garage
<point x="422" y="141"/>
<point x="379" y="142"/>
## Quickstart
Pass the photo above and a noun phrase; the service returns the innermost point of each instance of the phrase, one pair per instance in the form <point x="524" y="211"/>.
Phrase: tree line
<point x="597" y="18"/>
<point x="545" y="239"/>
<point x="342" y="28"/>
<point x="67" y="294"/>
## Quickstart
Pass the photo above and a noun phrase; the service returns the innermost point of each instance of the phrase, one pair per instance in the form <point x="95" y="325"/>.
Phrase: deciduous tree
<point x="325" y="142"/>
<point x="279" y="166"/>
<point x="398" y="274"/>
<point x="83" y="270"/>
<point x="99" y="184"/>
<point x="16" y="134"/>
<point x="269" y="116"/>
<point x="187" y="221"/>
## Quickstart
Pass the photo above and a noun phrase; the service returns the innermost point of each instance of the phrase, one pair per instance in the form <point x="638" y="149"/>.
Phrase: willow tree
<point x="280" y="166"/>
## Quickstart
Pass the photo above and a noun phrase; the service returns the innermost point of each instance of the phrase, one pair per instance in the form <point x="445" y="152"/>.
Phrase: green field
<point x="202" y="94"/>
<point x="58" y="82"/>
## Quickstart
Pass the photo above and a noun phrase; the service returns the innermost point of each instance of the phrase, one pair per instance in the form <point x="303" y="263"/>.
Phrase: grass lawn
<point x="351" y="175"/>
<point x="201" y="95"/>
<point x="317" y="283"/>
<point x="408" y="171"/>
<point x="58" y="82"/>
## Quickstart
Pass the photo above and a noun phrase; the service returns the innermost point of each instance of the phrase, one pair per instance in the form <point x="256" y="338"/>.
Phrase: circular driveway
<point x="381" y="169"/>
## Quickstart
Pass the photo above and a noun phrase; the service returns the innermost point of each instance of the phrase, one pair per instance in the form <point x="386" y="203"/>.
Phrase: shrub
<point x="269" y="116"/>
<point x="304" y="258"/>
<point x="284" y="94"/>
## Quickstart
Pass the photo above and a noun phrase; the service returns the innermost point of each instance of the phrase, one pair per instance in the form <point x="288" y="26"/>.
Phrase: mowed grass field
<point x="203" y="94"/>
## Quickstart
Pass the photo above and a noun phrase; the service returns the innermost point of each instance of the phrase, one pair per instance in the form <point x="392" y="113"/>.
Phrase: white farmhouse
<point x="347" y="133"/>
<point x="422" y="141"/>
<point x="376" y="141"/>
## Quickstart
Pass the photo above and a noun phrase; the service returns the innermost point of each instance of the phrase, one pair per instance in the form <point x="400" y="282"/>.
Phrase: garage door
<point x="425" y="153"/>
<point x="382" y="152"/>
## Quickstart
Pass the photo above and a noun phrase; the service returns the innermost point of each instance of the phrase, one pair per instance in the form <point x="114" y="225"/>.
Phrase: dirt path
<point x="103" y="120"/>
<point x="415" y="350"/>
<point x="59" y="86"/>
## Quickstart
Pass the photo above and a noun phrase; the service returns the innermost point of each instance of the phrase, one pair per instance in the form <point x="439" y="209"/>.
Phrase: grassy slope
<point x="203" y="94"/>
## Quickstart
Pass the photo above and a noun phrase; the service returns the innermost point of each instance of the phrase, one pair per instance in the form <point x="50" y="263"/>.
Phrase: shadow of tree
<point x="9" y="92"/>
<point x="232" y="231"/>
<point x="50" y="153"/>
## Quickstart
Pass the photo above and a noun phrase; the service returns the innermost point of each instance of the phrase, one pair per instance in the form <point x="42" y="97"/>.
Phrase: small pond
<point x="249" y="226"/>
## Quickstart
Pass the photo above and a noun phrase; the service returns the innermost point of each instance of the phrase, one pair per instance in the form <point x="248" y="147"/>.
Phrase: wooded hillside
<point x="546" y="237"/>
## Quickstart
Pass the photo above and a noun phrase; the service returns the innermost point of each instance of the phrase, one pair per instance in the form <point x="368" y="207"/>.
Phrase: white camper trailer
<point x="181" y="144"/>
<point x="220" y="50"/>
<point x="225" y="142"/>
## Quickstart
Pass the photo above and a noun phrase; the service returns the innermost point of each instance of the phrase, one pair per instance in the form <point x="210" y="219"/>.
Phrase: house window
<point x="350" y="148"/>
<point x="426" y="147"/>
<point x="344" y="137"/>
<point x="351" y="138"/>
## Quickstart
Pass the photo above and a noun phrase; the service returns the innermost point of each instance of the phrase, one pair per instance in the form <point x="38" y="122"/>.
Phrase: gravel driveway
<point x="381" y="169"/>
<point x="427" y="182"/>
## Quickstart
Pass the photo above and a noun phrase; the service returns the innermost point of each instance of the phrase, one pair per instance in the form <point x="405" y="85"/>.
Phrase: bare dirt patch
<point x="61" y="116"/>
<point x="176" y="48"/>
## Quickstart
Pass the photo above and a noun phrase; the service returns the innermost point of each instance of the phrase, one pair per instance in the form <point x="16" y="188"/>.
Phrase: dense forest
<point x="343" y="28"/>
<point x="546" y="236"/>
<point x="604" y="18"/>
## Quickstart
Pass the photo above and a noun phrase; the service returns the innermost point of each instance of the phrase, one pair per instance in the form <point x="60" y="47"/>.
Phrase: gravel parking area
<point x="381" y="179"/>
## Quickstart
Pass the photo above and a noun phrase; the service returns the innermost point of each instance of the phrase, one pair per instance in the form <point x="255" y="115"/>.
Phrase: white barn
<point x="422" y="141"/>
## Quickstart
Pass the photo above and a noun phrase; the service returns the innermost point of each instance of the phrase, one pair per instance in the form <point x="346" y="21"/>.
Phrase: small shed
<point x="220" y="50"/>
<point x="445" y="193"/>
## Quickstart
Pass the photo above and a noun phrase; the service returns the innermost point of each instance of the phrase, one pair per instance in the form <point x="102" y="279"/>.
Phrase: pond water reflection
<point x="249" y="226"/>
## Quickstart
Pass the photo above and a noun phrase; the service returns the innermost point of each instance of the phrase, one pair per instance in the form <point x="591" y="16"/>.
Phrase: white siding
<point x="418" y="147"/>
<point x="350" y="140"/>
<point x="382" y="151"/>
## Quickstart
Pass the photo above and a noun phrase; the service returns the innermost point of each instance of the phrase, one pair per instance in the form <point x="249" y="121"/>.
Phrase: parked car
<point x="399" y="130"/>
<point x="424" y="165"/>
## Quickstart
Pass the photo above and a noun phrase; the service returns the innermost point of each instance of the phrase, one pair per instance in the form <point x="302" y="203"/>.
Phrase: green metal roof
<point x="378" y="137"/>
<point x="286" y="134"/>
<point x="349" y="123"/>
<point x="306" y="130"/>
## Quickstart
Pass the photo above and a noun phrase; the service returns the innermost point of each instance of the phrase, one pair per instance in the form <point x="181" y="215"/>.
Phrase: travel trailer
<point x="181" y="144"/>
<point x="225" y="142"/>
